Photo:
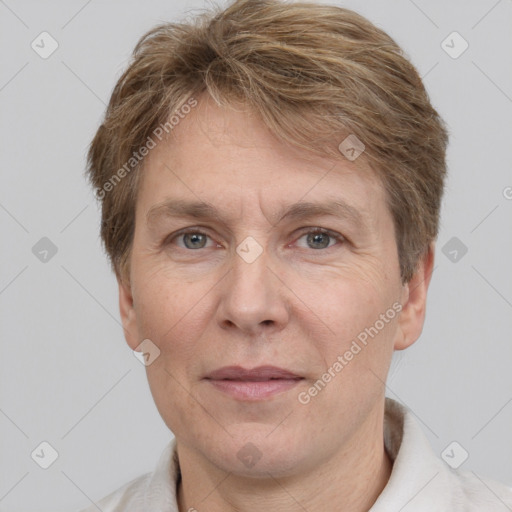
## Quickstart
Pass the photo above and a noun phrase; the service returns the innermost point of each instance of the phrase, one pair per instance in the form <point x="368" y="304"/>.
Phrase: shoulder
<point x="421" y="481"/>
<point x="476" y="493"/>
<point x="127" y="498"/>
<point x="151" y="491"/>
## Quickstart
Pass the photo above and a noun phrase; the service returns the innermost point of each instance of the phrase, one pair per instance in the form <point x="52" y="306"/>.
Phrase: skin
<point x="298" y="306"/>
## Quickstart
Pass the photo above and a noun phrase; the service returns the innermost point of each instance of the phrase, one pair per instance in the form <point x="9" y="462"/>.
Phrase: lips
<point x="258" y="384"/>
<point x="259" y="374"/>
<point x="255" y="385"/>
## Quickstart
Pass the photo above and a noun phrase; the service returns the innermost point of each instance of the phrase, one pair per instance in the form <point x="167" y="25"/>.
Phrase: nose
<point x="253" y="297"/>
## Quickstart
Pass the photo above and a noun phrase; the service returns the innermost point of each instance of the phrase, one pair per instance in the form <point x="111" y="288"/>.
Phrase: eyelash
<point x="332" y="234"/>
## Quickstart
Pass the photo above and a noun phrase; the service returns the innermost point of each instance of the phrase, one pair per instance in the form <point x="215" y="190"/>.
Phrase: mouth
<point x="255" y="384"/>
<point x="259" y="374"/>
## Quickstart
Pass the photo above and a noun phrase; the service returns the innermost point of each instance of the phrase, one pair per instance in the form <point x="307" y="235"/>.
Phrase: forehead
<point x="221" y="158"/>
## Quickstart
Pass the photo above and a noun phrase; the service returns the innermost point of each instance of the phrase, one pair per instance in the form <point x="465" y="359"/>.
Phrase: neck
<point x="352" y="480"/>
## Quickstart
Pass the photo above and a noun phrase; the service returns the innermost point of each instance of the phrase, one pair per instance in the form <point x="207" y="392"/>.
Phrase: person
<point x="270" y="176"/>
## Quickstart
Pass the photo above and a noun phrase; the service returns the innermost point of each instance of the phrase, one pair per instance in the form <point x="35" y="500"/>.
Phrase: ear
<point x="414" y="302"/>
<point x="128" y="316"/>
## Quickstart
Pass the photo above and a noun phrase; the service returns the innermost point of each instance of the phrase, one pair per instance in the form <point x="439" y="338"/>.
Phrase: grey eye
<point x="318" y="240"/>
<point x="194" y="240"/>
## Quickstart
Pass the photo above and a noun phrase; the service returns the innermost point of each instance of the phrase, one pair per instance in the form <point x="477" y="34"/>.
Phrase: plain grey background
<point x="67" y="375"/>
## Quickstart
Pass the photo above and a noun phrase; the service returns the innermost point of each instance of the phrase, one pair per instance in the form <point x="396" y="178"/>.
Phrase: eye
<point x="316" y="238"/>
<point x="319" y="238"/>
<point x="191" y="239"/>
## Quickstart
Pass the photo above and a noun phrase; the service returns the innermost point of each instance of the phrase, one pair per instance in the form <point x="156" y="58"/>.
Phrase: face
<point x="248" y="253"/>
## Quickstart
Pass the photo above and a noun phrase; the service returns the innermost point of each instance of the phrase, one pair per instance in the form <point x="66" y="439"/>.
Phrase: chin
<point x="260" y="453"/>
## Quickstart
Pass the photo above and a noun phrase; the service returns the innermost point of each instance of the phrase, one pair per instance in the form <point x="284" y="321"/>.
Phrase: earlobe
<point x="128" y="316"/>
<point x="414" y="302"/>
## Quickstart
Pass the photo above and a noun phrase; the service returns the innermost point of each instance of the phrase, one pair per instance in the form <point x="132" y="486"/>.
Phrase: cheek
<point x="174" y="315"/>
<point x="174" y="398"/>
<point x="167" y="304"/>
<point x="343" y="300"/>
<point x="349" y="313"/>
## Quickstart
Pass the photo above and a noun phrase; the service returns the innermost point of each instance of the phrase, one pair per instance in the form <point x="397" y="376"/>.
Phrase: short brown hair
<point x="315" y="74"/>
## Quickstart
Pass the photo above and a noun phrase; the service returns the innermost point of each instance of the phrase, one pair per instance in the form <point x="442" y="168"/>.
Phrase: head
<point x="297" y="147"/>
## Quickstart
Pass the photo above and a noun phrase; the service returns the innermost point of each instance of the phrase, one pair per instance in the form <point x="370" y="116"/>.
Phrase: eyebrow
<point x="298" y="211"/>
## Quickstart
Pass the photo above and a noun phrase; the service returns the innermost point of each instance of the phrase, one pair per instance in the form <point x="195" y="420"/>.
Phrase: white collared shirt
<point x="419" y="481"/>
